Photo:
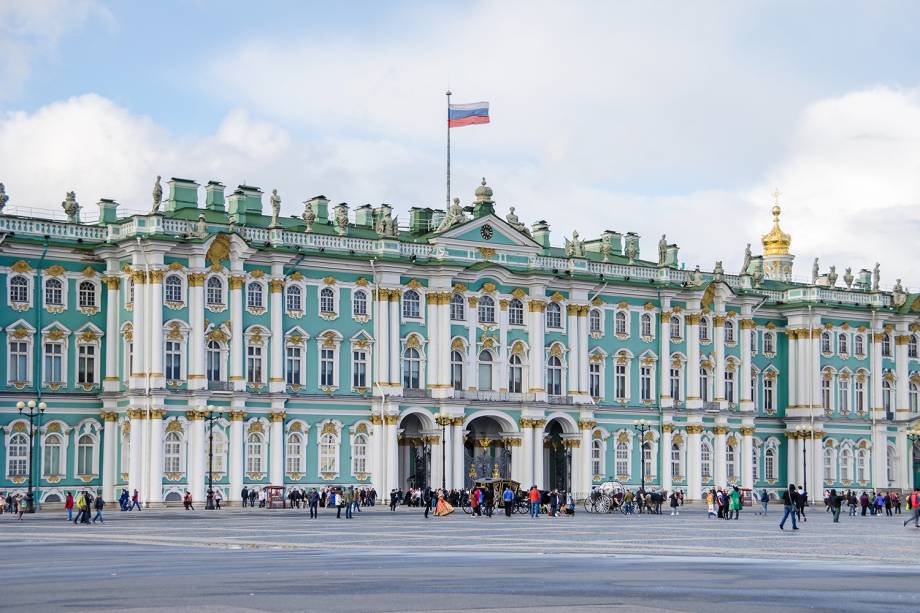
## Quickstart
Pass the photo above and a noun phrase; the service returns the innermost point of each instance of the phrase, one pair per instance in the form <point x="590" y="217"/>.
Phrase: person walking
<point x="394" y="500"/>
<point x="21" y="504"/>
<point x="508" y="500"/>
<point x="99" y="504"/>
<point x="313" y="499"/>
<point x="914" y="500"/>
<point x="349" y="502"/>
<point x="735" y="502"/>
<point x="217" y="498"/>
<point x="426" y="500"/>
<point x="81" y="508"/>
<point x="68" y="506"/>
<point x="789" y="504"/>
<point x="764" y="501"/>
<point x="135" y="501"/>
<point x="833" y="502"/>
<point x="801" y="499"/>
<point x="534" y="497"/>
<point x="244" y="495"/>
<point x="675" y="503"/>
<point x="337" y="503"/>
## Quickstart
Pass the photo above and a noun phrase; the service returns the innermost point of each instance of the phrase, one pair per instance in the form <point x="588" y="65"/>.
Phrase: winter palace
<point x="209" y="337"/>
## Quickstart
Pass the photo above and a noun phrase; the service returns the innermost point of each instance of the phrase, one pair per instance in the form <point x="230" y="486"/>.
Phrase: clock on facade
<point x="486" y="231"/>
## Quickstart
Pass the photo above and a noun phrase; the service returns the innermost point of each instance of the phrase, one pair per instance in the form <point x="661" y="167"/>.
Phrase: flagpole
<point x="447" y="208"/>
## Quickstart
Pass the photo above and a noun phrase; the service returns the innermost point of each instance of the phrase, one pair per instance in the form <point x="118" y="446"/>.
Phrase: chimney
<point x="214" y="196"/>
<point x="183" y="194"/>
<point x="108" y="211"/>
<point x="540" y="232"/>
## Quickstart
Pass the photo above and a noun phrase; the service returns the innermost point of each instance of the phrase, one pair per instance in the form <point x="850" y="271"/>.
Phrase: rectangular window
<point x="675" y="461"/>
<point x="213" y="366"/>
<point x="768" y="394"/>
<point x="645" y="380"/>
<point x="594" y="380"/>
<point x="730" y="385"/>
<point x="675" y="384"/>
<point x="326" y="367"/>
<point x="860" y="396"/>
<point x="826" y="394"/>
<point x="86" y="364"/>
<point x="254" y="364"/>
<point x="173" y="361"/>
<point x="19" y="361"/>
<point x="620" y="381"/>
<point x="54" y="356"/>
<point x="292" y="366"/>
<point x="359" y="369"/>
<point x="843" y="401"/>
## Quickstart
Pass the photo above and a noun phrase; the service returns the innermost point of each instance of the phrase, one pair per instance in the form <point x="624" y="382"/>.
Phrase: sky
<point x="655" y="117"/>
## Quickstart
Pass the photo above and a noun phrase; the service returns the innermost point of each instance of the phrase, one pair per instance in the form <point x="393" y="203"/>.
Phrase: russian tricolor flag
<point x="459" y="115"/>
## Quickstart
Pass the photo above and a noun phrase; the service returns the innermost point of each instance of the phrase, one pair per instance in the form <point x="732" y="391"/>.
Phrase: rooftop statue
<point x="276" y="208"/>
<point x="832" y="276"/>
<point x="309" y="216"/>
<point x="718" y="271"/>
<point x="606" y="247"/>
<point x="201" y="228"/>
<point x="746" y="263"/>
<point x="696" y="278"/>
<point x="574" y="248"/>
<point x="387" y="225"/>
<point x="3" y="197"/>
<point x="662" y="250"/>
<point x="758" y="273"/>
<point x="848" y="277"/>
<point x="814" y="272"/>
<point x="454" y="216"/>
<point x="899" y="296"/>
<point x="341" y="218"/>
<point x="876" y="277"/>
<point x="515" y="223"/>
<point x="71" y="207"/>
<point x="631" y="251"/>
<point x="157" y="195"/>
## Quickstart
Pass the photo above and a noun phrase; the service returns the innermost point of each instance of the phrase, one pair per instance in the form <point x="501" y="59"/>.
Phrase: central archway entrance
<point x="414" y="453"/>
<point x="558" y="458"/>
<point x="485" y="453"/>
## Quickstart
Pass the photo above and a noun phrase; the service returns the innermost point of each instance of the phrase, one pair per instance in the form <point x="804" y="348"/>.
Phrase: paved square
<point x="281" y="560"/>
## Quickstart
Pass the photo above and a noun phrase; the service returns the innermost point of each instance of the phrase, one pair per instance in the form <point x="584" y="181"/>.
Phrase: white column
<point x="747" y="456"/>
<point x="195" y="466"/>
<point x="694" y="400"/>
<point x="395" y="338"/>
<point x="443" y="308"/>
<point x="879" y="455"/>
<point x="694" y="462"/>
<point x="718" y="333"/>
<point x="436" y="463"/>
<point x="538" y="452"/>
<point x="535" y="335"/>
<point x="447" y="441"/>
<point x="901" y="406"/>
<point x="583" y="352"/>
<point x="237" y="380"/>
<point x="392" y="453"/>
<point x="664" y="358"/>
<point x="587" y="477"/>
<point x="791" y="368"/>
<point x="109" y="448"/>
<point x="526" y="452"/>
<point x="276" y="449"/>
<point x="276" y="381"/>
<point x="382" y="343"/>
<point x="718" y="460"/>
<point x="905" y="460"/>
<point x="155" y="463"/>
<point x="875" y="364"/>
<point x="155" y="322"/>
<point x="665" y="453"/>
<point x="744" y="380"/>
<point x="437" y="346"/>
<point x="196" y="377"/>
<point x="574" y="354"/>
<point x="804" y="370"/>
<point x="112" y="381"/>
<point x="792" y="458"/>
<point x="135" y="463"/>
<point x="139" y="336"/>
<point x="503" y="348"/>
<point x="816" y="465"/>
<point x="236" y="454"/>
<point x="815" y="371"/>
<point x="471" y="370"/>
<point x="457" y="442"/>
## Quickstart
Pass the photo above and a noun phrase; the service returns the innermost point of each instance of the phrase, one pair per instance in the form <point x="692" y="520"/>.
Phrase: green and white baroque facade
<point x="344" y="348"/>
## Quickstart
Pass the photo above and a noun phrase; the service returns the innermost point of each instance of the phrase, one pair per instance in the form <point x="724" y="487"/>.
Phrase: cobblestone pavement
<point x="279" y="560"/>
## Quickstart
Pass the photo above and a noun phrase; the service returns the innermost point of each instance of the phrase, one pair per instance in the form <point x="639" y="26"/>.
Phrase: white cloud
<point x="32" y="30"/>
<point x="850" y="178"/>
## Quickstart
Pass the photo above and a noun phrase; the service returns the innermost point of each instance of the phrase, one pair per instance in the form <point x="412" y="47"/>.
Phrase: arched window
<point x="172" y="289"/>
<point x="826" y="392"/>
<point x="843" y="395"/>
<point x="769" y="342"/>
<point x="704" y="328"/>
<point x="706" y="461"/>
<point x="597" y="455"/>
<point x="485" y="371"/>
<point x="456" y="369"/>
<point x="730" y="383"/>
<point x="645" y="324"/>
<point x="755" y="463"/>
<point x="254" y="295"/>
<point x="619" y="321"/>
<point x="412" y="367"/>
<point x="846" y="465"/>
<point x="254" y="453"/>
<point x="359" y="302"/>
<point x="294" y="456"/>
<point x="457" y="308"/>
<point x="486" y="310"/>
<point x="676" y="463"/>
<point x="594" y="377"/>
<point x="622" y="459"/>
<point x="729" y="331"/>
<point x="861" y="465"/>
<point x="829" y="465"/>
<point x="54" y="292"/>
<point x="826" y="342"/>
<point x="515" y="375"/>
<point x="619" y="380"/>
<point x="17" y="451"/>
<point x="215" y="291"/>
<point x="516" y="312"/>
<point x="410" y="303"/>
<point x="359" y="455"/>
<point x="912" y="346"/>
<point x="553" y="315"/>
<point x="913" y="397"/>
<point x="674" y="325"/>
<point x="326" y="300"/>
<point x="87" y="294"/>
<point x="53" y="446"/>
<point x="886" y="345"/>
<point x="213" y="360"/>
<point x="731" y="466"/>
<point x="704" y="384"/>
<point x="294" y="298"/>
<point x="19" y="289"/>
<point x="172" y="453"/>
<point x="886" y="397"/>
<point x="769" y="464"/>
<point x="842" y="344"/>
<point x="858" y="348"/>
<point x="328" y="458"/>
<point x="675" y="381"/>
<point x="554" y="376"/>
<point x="594" y="321"/>
<point x="85" y="448"/>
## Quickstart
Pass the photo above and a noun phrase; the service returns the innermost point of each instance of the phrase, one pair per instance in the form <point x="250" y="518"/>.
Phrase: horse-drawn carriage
<point x="606" y="497"/>
<point x="497" y="487"/>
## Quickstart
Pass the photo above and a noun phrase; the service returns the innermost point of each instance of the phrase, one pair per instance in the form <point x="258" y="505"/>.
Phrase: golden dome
<point x="776" y="242"/>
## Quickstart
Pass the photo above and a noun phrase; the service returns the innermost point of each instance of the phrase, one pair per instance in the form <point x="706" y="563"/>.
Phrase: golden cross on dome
<point x="776" y="195"/>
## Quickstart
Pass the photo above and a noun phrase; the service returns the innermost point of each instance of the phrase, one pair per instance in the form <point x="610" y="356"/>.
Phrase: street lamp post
<point x="214" y="413"/>
<point x="31" y="409"/>
<point x="804" y="432"/>
<point x="642" y="426"/>
<point x="441" y="418"/>
<point x="913" y="435"/>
